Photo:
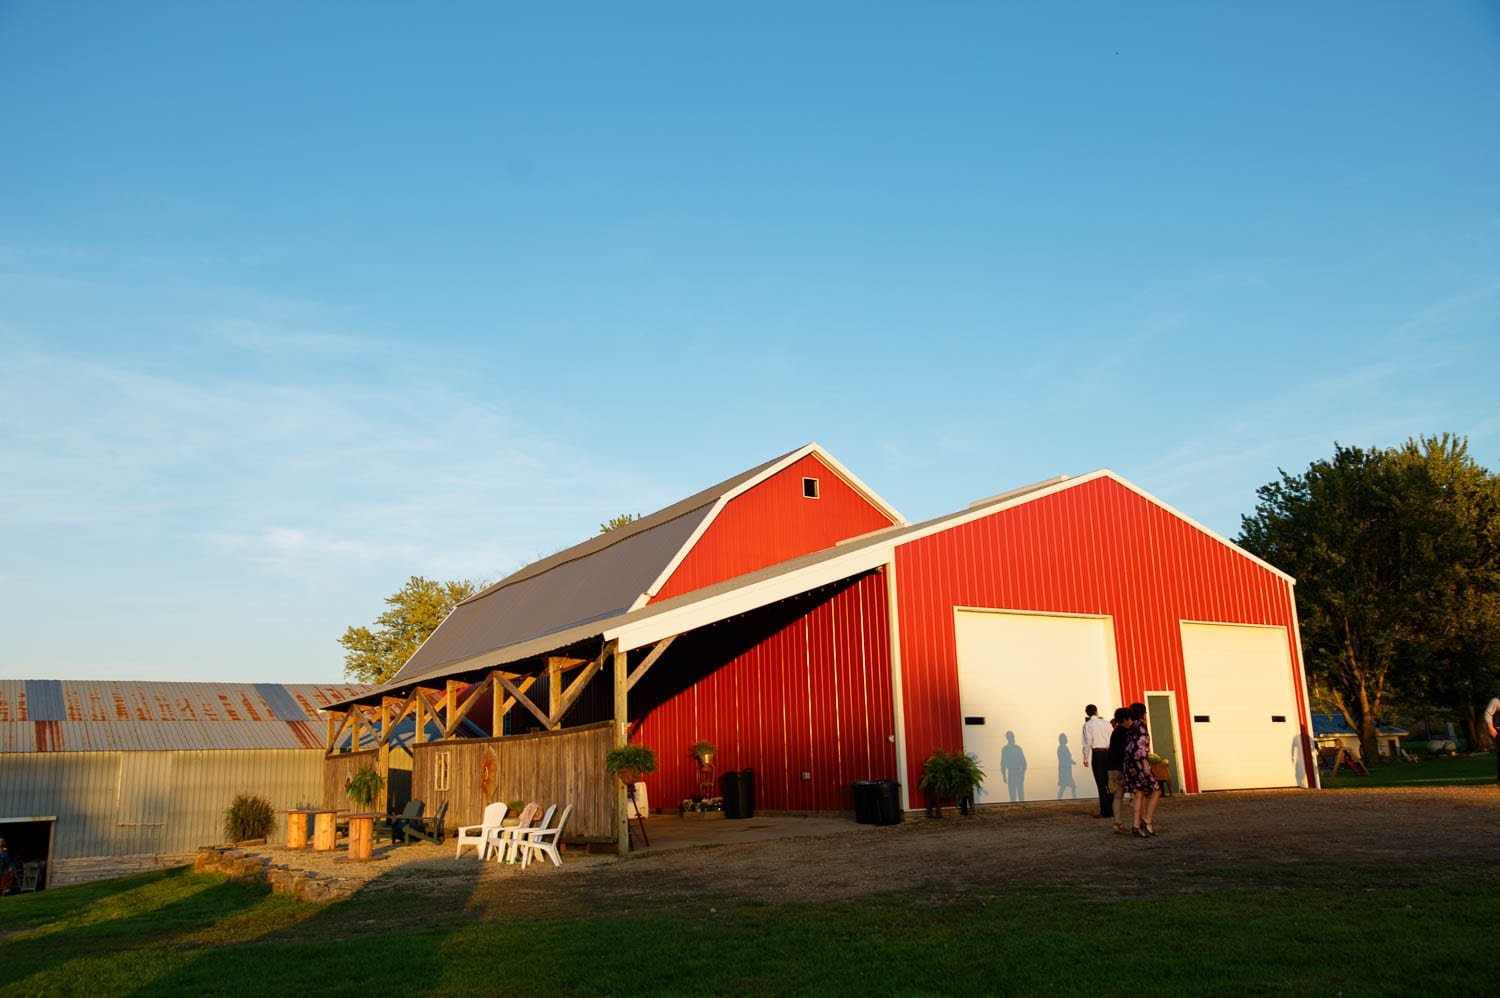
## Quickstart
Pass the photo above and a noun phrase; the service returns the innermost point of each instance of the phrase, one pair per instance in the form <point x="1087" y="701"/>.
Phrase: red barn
<point x="790" y="616"/>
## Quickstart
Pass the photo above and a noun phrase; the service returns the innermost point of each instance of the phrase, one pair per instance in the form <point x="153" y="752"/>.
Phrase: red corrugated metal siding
<point x="773" y="522"/>
<point x="814" y="696"/>
<point x="1097" y="548"/>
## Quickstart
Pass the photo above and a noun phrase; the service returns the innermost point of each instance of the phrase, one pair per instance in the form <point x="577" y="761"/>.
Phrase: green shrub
<point x="248" y="817"/>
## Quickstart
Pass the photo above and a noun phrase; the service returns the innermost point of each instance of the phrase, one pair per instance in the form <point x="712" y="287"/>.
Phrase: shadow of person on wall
<point x="1013" y="768"/>
<point x="1065" y="765"/>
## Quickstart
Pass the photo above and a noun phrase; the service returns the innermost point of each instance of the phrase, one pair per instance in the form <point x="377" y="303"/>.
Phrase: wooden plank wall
<point x="549" y="767"/>
<point x="339" y="768"/>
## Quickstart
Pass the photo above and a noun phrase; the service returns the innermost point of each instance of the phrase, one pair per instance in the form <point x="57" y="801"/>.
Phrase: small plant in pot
<point x="630" y="763"/>
<point x="950" y="776"/>
<point x="703" y="751"/>
<point x="364" y="787"/>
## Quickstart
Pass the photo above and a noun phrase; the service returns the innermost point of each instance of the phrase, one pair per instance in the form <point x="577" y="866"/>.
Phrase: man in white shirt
<point x="1095" y="754"/>
<point x="1489" y="722"/>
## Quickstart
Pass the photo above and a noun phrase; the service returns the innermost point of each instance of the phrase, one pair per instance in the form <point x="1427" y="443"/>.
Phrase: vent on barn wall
<point x="809" y="488"/>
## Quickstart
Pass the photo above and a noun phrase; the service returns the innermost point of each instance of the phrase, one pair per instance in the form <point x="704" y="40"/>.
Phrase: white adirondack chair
<point x="503" y="840"/>
<point x="543" y="840"/>
<point x="478" y="835"/>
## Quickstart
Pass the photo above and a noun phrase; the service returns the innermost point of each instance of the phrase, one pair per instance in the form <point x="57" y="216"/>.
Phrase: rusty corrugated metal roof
<point x="51" y="715"/>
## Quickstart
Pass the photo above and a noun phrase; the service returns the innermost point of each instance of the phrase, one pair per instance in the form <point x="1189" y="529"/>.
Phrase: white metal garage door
<point x="1023" y="681"/>
<point x="1244" y="711"/>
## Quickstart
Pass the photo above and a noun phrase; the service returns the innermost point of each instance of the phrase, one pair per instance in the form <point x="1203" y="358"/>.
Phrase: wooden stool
<point x="296" y="827"/>
<point x="325" y="832"/>
<point x="362" y="836"/>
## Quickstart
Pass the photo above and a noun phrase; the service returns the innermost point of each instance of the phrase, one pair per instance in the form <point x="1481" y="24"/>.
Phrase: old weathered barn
<point x="102" y="778"/>
<point x="793" y="618"/>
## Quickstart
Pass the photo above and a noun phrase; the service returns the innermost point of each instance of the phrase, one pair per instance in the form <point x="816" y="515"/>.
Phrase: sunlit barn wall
<point x="1099" y="548"/>
<point x="122" y="811"/>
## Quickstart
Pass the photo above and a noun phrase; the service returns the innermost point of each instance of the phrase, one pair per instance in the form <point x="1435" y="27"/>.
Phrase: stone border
<point x="245" y="867"/>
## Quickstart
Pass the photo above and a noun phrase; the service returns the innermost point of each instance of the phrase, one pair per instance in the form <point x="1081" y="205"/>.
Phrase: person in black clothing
<point x="1116" y="759"/>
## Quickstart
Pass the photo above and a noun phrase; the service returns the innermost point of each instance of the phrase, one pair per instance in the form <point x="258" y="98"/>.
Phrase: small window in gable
<point x="809" y="488"/>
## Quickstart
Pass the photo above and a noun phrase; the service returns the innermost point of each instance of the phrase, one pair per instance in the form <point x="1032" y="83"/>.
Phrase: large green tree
<point x="1394" y="551"/>
<point x="374" y="654"/>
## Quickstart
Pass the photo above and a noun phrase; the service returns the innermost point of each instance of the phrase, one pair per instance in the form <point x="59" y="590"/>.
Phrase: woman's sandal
<point x="1137" y="832"/>
<point x="1121" y="830"/>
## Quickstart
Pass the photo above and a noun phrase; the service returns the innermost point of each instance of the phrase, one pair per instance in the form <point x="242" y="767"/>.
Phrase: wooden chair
<point x="543" y="840"/>
<point x="30" y="874"/>
<point x="428" y="829"/>
<point x="411" y="814"/>
<point x="478" y="835"/>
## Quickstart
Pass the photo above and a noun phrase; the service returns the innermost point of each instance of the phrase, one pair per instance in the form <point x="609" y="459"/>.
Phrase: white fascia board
<point x="854" y="482"/>
<point x="1200" y="527"/>
<point x="682" y="553"/>
<point x="978" y="513"/>
<point x="815" y="449"/>
<point x="712" y="609"/>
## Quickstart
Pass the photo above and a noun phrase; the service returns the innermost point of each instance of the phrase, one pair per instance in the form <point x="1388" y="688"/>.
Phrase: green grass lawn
<point x="1339" y="928"/>
<point x="1438" y="771"/>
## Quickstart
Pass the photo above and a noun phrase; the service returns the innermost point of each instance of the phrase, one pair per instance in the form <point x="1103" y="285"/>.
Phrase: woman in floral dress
<point x="1144" y="789"/>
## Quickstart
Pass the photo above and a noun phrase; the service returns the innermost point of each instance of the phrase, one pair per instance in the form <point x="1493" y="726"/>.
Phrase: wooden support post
<point x="328" y="745"/>
<point x="450" y="707"/>
<point x="421" y="738"/>
<point x="497" y="711"/>
<point x="554" y="693"/>
<point x="622" y="816"/>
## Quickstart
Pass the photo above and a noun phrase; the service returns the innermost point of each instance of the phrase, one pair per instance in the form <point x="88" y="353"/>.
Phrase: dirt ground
<point x="1008" y="846"/>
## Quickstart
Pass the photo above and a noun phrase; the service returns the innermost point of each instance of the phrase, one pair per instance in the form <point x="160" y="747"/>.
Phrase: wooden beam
<point x="526" y="683"/>
<point x="405" y="707"/>
<point x="580" y="681"/>
<point x="497" y="713"/>
<point x="622" y="816"/>
<point x="419" y="702"/>
<point x="656" y="652"/>
<point x="525" y="701"/>
<point x="554" y="695"/>
<point x="336" y="732"/>
<point x="450" y="705"/>
<point x="463" y="711"/>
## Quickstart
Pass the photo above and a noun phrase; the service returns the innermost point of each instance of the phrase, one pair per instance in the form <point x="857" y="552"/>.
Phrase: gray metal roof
<point x="52" y="715"/>
<point x="595" y="580"/>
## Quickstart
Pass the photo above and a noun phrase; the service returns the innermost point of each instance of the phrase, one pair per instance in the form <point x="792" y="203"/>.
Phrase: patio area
<point x="668" y="831"/>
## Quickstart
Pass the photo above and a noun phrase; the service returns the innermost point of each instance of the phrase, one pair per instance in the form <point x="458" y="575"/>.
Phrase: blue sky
<point x="298" y="300"/>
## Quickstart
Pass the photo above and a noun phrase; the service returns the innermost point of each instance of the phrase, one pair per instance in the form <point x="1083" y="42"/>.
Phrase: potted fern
<point x="950" y="776"/>
<point x="630" y="763"/>
<point x="704" y="751"/>
<point x="364" y="787"/>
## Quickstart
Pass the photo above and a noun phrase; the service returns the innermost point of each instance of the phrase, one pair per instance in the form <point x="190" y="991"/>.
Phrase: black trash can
<point x="865" y="801"/>
<point x="747" y="793"/>
<point x="729" y="789"/>
<point x="885" y="802"/>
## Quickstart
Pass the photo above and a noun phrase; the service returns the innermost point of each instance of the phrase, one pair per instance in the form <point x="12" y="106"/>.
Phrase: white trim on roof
<point x="811" y="449"/>
<point x="721" y="606"/>
<point x="648" y="624"/>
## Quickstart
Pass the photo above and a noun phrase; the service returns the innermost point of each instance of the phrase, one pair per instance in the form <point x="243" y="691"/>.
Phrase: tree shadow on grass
<point x="133" y="914"/>
<point x="391" y="934"/>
